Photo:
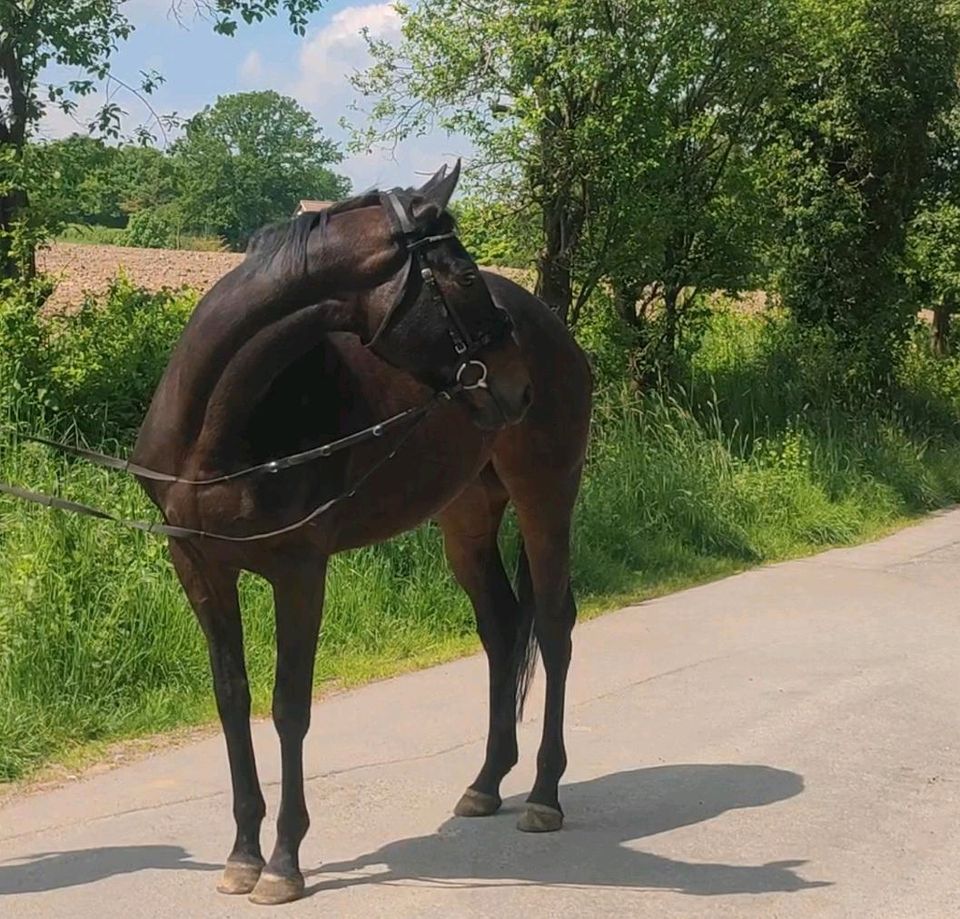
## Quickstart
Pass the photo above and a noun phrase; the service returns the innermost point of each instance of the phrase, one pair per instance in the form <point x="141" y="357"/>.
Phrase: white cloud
<point x="328" y="58"/>
<point x="331" y="54"/>
<point x="251" y="69"/>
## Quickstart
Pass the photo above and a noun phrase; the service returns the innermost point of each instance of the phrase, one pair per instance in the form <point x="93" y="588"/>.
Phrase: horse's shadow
<point x="44" y="871"/>
<point x="604" y="816"/>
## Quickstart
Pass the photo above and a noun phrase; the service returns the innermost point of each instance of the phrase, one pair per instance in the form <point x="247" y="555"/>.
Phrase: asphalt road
<point x="781" y="743"/>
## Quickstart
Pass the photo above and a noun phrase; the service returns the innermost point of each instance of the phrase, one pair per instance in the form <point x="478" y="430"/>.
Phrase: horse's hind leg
<point x="212" y="591"/>
<point x="544" y="511"/>
<point x="298" y="589"/>
<point x="470" y="527"/>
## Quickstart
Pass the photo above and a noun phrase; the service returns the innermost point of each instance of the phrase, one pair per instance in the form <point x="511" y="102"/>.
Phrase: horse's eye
<point x="467" y="278"/>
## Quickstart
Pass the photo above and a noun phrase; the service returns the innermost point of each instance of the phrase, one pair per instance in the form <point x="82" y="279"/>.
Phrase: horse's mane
<point x="284" y="243"/>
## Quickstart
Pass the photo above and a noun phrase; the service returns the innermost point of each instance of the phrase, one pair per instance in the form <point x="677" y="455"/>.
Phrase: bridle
<point x="467" y="343"/>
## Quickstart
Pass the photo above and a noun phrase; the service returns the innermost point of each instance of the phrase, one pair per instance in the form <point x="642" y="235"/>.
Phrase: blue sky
<point x="199" y="65"/>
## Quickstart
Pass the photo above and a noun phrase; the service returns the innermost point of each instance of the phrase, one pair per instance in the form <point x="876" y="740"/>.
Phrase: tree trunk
<point x="14" y="264"/>
<point x="626" y="294"/>
<point x="10" y="206"/>
<point x="671" y="302"/>
<point x="554" y="285"/>
<point x="554" y="282"/>
<point x="941" y="328"/>
<point x="13" y="135"/>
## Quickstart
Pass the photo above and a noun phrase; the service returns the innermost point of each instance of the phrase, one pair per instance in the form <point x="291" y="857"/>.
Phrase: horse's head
<point x="425" y="306"/>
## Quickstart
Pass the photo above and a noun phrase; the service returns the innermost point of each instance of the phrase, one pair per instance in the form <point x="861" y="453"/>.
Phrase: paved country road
<point x="781" y="743"/>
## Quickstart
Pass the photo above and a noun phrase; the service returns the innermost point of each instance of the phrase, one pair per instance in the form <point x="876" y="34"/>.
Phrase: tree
<point x="495" y="232"/>
<point x="856" y="141"/>
<point x="621" y="123"/>
<point x="676" y="204"/>
<point x="246" y="161"/>
<point x="932" y="264"/>
<point x="70" y="182"/>
<point x="142" y="178"/>
<point x="78" y="34"/>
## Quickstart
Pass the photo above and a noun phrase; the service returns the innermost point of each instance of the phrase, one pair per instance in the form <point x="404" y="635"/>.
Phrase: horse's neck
<point x="243" y="333"/>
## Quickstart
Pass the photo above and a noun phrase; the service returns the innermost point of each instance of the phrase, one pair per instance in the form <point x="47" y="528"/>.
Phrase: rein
<point x="415" y="415"/>
<point x="372" y="432"/>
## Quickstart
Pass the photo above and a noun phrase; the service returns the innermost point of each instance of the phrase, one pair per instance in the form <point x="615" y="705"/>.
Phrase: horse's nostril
<point x="527" y="397"/>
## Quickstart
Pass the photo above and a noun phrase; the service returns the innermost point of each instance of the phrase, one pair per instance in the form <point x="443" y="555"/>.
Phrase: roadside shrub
<point x="107" y="356"/>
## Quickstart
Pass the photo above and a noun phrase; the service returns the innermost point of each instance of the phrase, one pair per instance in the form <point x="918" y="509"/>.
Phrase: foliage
<point x="854" y="140"/>
<point x="243" y="162"/>
<point x="153" y="228"/>
<point x="141" y="177"/>
<point x="93" y="235"/>
<point x="933" y="259"/>
<point x="25" y="361"/>
<point x="247" y="160"/>
<point x="69" y="182"/>
<point x="92" y="370"/>
<point x="496" y="233"/>
<point x="633" y="155"/>
<point x="108" y="356"/>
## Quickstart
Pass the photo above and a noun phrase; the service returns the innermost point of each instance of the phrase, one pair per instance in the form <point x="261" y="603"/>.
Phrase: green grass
<point x="93" y="234"/>
<point x="754" y="460"/>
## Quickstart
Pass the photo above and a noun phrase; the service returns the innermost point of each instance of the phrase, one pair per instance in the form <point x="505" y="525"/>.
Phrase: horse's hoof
<point x="272" y="890"/>
<point x="477" y="804"/>
<point x="239" y="877"/>
<point x="539" y="818"/>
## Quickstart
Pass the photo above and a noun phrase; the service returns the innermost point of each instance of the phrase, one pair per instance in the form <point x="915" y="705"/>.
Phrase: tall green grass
<point x="93" y="234"/>
<point x="755" y="458"/>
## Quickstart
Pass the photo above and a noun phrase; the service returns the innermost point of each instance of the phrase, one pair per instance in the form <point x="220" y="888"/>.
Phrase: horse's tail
<point x="525" y="650"/>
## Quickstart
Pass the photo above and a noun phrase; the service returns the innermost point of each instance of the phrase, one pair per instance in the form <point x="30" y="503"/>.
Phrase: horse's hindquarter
<point x="550" y="443"/>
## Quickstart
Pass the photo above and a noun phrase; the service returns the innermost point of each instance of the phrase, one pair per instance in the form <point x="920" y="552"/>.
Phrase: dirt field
<point x="83" y="268"/>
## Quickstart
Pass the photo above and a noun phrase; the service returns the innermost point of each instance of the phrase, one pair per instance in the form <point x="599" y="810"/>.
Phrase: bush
<point x="107" y="356"/>
<point x="25" y="358"/>
<point x="94" y="369"/>
<point x="204" y="243"/>
<point x="496" y="233"/>
<point x="153" y="228"/>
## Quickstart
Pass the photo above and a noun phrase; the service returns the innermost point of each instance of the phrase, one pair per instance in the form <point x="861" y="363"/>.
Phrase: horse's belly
<point x="398" y="499"/>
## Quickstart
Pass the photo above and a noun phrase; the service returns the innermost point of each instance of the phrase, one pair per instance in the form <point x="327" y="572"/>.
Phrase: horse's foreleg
<point x="298" y="595"/>
<point x="212" y="591"/>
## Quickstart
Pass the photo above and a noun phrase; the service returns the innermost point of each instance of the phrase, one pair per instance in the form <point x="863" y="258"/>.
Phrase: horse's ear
<point x="431" y="183"/>
<point x="439" y="190"/>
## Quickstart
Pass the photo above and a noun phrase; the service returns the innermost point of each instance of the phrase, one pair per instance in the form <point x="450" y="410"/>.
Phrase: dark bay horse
<point x="333" y="322"/>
